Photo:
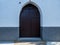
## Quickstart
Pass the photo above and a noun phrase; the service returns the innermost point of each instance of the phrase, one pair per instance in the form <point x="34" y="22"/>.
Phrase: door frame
<point x="39" y="9"/>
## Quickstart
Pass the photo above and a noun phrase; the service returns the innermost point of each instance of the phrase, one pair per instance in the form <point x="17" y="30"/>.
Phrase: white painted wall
<point x="10" y="10"/>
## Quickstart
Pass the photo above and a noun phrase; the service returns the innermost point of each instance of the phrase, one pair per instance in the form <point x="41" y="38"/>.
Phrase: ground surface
<point x="21" y="43"/>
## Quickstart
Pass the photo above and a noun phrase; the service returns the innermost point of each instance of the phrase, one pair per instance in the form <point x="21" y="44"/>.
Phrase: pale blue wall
<point x="50" y="9"/>
<point x="10" y="9"/>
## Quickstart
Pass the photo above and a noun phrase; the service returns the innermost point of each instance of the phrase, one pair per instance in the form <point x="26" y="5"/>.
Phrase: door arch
<point x="29" y="21"/>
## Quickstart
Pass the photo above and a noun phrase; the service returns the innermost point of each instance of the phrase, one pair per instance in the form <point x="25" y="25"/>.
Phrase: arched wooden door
<point x="29" y="22"/>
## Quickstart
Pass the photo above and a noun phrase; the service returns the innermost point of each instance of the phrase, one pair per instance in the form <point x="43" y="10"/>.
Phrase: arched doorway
<point x="29" y="21"/>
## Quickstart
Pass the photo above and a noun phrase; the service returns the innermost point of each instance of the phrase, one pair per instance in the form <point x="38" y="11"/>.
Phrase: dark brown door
<point x="29" y="22"/>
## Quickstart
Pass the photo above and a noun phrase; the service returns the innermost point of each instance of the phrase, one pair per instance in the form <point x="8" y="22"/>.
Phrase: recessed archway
<point x="29" y="21"/>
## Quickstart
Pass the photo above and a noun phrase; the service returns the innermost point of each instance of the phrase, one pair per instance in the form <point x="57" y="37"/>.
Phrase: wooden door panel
<point x="30" y="22"/>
